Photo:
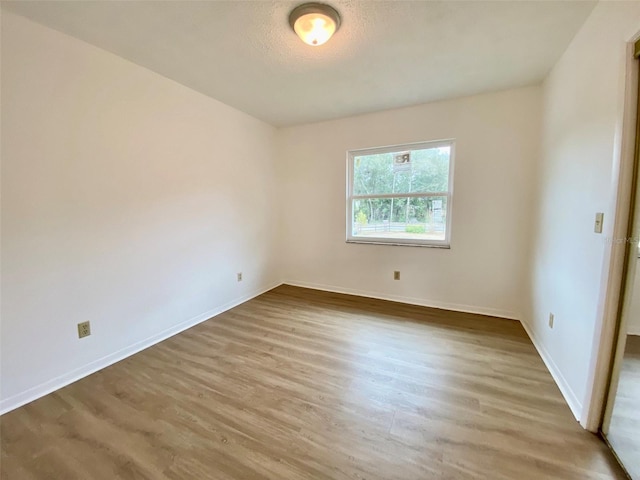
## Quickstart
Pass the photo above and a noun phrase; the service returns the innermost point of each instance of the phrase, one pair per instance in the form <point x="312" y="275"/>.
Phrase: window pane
<point x="416" y="171"/>
<point x="400" y="218"/>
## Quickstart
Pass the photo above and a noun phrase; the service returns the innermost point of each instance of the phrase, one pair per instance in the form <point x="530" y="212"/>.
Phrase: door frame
<point x="614" y="267"/>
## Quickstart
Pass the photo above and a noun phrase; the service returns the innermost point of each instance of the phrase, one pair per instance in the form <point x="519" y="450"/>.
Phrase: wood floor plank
<point x="302" y="384"/>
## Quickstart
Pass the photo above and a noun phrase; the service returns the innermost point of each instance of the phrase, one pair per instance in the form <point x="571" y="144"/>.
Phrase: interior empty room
<point x="341" y="240"/>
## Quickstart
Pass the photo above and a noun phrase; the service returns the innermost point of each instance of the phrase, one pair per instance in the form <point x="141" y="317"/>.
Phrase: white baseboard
<point x="492" y="312"/>
<point x="54" y="384"/>
<point x="567" y="392"/>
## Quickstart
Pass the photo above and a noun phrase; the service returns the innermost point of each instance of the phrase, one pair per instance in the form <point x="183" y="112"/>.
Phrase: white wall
<point x="127" y="200"/>
<point x="497" y="147"/>
<point x="582" y="113"/>
<point x="132" y="201"/>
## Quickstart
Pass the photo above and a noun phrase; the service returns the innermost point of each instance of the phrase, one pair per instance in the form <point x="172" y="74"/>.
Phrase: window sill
<point x="400" y="244"/>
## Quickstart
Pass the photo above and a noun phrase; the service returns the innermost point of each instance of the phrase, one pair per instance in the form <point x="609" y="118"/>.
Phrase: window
<point x="401" y="195"/>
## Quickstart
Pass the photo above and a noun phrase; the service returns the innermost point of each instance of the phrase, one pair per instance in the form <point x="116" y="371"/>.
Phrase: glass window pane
<point x="416" y="171"/>
<point x="400" y="218"/>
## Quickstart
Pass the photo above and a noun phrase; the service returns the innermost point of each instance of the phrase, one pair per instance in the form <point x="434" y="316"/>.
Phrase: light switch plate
<point x="598" y="224"/>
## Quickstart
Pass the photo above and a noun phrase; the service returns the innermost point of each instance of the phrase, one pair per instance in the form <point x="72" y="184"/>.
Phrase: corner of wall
<point x="563" y="385"/>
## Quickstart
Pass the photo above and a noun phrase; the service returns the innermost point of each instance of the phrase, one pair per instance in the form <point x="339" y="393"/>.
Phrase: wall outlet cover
<point x="84" y="329"/>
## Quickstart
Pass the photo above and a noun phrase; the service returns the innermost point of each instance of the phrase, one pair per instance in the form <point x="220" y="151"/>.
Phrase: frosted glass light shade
<point x="314" y="23"/>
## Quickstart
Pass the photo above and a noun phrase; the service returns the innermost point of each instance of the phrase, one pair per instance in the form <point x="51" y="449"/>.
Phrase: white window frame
<point x="351" y="154"/>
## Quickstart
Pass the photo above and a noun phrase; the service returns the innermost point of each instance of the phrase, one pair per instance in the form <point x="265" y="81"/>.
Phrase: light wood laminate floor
<point x="300" y="384"/>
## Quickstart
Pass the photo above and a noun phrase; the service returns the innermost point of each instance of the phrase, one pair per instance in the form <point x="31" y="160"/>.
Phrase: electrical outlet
<point x="239" y="276"/>
<point x="84" y="329"/>
<point x="396" y="275"/>
<point x="551" y="320"/>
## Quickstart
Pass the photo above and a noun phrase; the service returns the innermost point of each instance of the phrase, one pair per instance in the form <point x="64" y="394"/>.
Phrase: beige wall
<point x="496" y="151"/>
<point x="127" y="200"/>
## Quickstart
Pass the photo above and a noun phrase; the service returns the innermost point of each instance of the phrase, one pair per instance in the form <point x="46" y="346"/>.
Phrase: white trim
<point x="567" y="392"/>
<point x="445" y="142"/>
<point x="456" y="307"/>
<point x="433" y="244"/>
<point x="33" y="393"/>
<point x="400" y="195"/>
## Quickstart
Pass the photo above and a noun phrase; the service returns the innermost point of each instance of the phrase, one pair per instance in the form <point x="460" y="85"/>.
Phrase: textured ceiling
<point x="386" y="54"/>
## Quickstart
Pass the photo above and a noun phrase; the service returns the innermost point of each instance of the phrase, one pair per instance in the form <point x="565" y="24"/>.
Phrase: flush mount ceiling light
<point x="314" y="23"/>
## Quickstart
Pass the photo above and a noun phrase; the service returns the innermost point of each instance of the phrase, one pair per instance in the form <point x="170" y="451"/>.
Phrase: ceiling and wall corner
<point x="394" y="54"/>
<point x="385" y="55"/>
